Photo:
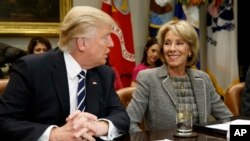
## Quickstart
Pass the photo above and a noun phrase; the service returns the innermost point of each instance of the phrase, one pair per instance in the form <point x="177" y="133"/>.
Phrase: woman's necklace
<point x="182" y="90"/>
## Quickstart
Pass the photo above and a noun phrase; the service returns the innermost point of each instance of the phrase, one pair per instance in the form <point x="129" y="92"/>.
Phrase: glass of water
<point x="184" y="119"/>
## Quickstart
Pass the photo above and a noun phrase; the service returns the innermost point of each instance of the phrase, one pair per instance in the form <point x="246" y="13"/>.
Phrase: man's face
<point x="98" y="47"/>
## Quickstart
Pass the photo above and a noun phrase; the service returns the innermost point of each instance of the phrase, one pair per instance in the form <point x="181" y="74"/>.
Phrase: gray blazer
<point x="154" y="99"/>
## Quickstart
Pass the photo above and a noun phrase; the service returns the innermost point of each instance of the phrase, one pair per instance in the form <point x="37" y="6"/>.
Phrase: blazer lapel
<point x="167" y="84"/>
<point x="198" y="85"/>
<point x="61" y="82"/>
<point x="93" y="88"/>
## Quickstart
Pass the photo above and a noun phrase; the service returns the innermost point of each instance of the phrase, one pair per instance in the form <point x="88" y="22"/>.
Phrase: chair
<point x="125" y="95"/>
<point x="3" y="84"/>
<point x="232" y="97"/>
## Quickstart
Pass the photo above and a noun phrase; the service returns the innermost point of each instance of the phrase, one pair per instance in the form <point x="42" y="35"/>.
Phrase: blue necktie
<point x="81" y="93"/>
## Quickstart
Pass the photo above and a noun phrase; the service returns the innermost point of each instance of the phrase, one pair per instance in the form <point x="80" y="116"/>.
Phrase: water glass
<point x="184" y="119"/>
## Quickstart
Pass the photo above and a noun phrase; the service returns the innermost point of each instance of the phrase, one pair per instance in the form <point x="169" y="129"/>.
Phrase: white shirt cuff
<point x="112" y="131"/>
<point x="46" y="133"/>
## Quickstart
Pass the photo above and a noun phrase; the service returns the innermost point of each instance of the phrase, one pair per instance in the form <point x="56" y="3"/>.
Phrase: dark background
<point x="243" y="38"/>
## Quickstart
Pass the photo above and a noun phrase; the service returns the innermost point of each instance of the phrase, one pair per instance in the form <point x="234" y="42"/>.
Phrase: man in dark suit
<point x="245" y="98"/>
<point x="40" y="101"/>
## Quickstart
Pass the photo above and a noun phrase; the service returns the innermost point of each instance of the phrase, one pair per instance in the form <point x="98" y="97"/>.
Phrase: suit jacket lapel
<point x="167" y="84"/>
<point x="61" y="82"/>
<point x="93" y="88"/>
<point x="198" y="85"/>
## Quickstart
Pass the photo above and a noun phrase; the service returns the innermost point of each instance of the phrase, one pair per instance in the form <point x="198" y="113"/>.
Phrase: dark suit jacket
<point x="245" y="101"/>
<point x="38" y="96"/>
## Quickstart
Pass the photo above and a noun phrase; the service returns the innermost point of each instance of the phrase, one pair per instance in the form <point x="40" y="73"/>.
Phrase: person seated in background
<point x="118" y="82"/>
<point x="8" y="55"/>
<point x="245" y="98"/>
<point x="159" y="90"/>
<point x="43" y="101"/>
<point x="150" y="58"/>
<point x="38" y="45"/>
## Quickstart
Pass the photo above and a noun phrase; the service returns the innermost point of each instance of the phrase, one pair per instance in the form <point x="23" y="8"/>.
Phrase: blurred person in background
<point x="150" y="58"/>
<point x="118" y="82"/>
<point x="8" y="55"/>
<point x="38" y="45"/>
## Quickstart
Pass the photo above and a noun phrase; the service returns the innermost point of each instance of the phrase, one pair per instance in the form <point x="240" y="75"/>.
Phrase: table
<point x="168" y="134"/>
<point x="204" y="134"/>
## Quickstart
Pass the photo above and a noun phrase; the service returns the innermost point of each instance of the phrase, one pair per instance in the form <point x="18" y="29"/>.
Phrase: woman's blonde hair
<point x="185" y="30"/>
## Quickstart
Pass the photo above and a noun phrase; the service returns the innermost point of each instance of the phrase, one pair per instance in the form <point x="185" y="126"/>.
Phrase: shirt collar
<point x="72" y="67"/>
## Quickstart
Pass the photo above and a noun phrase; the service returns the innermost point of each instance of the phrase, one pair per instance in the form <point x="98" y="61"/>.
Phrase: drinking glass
<point x="184" y="119"/>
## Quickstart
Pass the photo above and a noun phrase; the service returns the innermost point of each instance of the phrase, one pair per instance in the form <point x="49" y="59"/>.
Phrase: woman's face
<point x="153" y="54"/>
<point x="40" y="48"/>
<point x="176" y="50"/>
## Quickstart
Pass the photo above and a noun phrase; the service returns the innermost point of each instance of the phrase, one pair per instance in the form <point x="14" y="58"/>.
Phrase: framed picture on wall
<point x="32" y="17"/>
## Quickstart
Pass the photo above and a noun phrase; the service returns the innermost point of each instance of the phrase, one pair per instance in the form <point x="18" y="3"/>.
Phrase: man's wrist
<point x="103" y="127"/>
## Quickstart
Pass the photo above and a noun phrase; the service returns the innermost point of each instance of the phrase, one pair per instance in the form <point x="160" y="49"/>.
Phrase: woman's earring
<point x="189" y="55"/>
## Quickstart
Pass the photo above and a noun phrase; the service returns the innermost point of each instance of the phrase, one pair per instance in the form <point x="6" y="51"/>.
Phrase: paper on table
<point x="225" y="126"/>
<point x="164" y="140"/>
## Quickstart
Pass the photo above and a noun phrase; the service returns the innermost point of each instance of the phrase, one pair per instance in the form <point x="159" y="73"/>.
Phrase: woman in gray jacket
<point x="160" y="89"/>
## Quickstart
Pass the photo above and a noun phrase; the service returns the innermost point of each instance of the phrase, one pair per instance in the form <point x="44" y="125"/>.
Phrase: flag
<point x="161" y="11"/>
<point x="222" y="60"/>
<point x="191" y="14"/>
<point x="122" y="56"/>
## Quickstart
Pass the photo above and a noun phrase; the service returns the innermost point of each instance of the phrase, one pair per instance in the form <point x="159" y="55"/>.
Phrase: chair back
<point x="3" y="84"/>
<point x="125" y="95"/>
<point x="232" y="97"/>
